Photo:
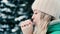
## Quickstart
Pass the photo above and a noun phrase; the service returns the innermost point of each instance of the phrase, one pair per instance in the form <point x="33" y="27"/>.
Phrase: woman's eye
<point x="35" y="13"/>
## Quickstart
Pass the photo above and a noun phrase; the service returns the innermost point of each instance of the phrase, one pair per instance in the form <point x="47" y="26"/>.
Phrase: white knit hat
<point x="51" y="7"/>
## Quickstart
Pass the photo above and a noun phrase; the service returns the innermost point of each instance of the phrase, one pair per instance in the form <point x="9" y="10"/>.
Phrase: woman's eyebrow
<point x="36" y="11"/>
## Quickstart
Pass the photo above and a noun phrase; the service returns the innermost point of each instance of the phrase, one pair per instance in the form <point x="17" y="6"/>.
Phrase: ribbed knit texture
<point x="51" y="7"/>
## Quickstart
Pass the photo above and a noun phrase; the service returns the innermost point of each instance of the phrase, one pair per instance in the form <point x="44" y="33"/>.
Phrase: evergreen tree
<point x="12" y="12"/>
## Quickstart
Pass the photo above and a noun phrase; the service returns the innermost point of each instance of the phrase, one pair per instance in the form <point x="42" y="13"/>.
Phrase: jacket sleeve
<point x="54" y="28"/>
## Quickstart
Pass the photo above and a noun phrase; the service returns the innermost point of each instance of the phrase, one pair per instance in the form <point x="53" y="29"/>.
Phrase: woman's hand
<point x="27" y="27"/>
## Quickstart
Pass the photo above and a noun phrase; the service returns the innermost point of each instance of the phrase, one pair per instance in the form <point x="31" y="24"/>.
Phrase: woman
<point x="43" y="11"/>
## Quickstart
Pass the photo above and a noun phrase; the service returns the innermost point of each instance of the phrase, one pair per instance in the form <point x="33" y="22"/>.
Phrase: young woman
<point x="43" y="11"/>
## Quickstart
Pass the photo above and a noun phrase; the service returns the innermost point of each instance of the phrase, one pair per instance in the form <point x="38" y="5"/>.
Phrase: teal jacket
<point x="54" y="28"/>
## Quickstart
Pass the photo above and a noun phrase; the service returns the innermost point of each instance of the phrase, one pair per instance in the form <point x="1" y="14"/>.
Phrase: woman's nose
<point x="33" y="16"/>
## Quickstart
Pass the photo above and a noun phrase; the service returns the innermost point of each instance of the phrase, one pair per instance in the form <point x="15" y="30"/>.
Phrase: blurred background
<point x="12" y="12"/>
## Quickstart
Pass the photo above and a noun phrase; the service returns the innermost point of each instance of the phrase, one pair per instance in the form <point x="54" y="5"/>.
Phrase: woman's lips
<point x="33" y="21"/>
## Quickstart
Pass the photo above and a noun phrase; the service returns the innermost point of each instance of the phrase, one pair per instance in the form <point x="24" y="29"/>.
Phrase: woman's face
<point x="39" y="15"/>
<point x="36" y="16"/>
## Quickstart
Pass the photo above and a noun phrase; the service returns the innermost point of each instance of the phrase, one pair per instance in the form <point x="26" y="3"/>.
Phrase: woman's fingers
<point x="27" y="27"/>
<point x="26" y="23"/>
